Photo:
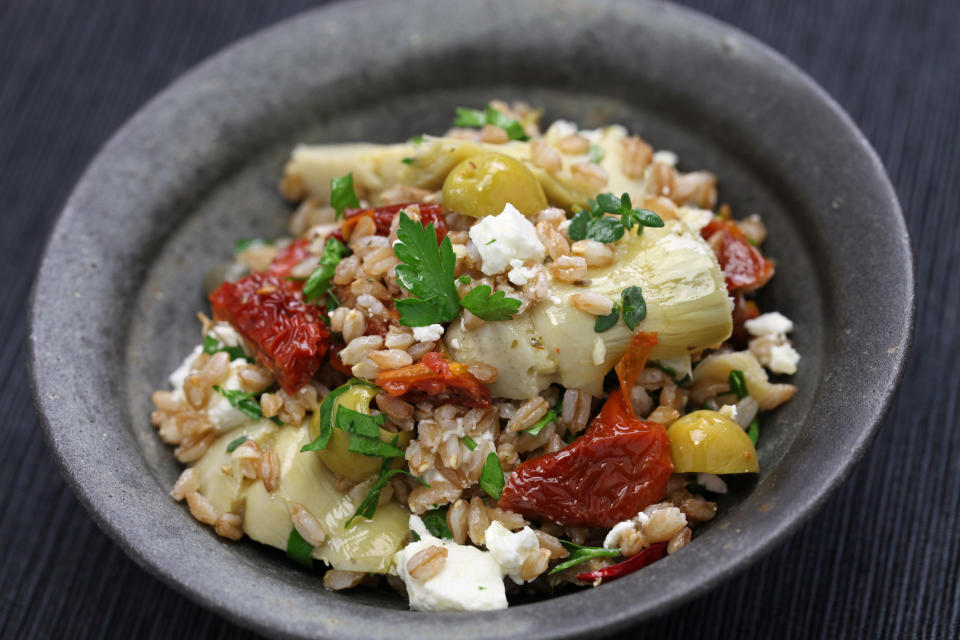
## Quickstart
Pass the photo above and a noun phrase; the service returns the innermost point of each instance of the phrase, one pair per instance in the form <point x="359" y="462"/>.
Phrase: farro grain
<point x="551" y="544"/>
<point x="420" y="349"/>
<point x="398" y="337"/>
<point x="254" y="378"/>
<point x="428" y="562"/>
<point x="679" y="540"/>
<point x="662" y="180"/>
<point x="338" y="579"/>
<point x="483" y="372"/>
<point x="508" y="519"/>
<point x="632" y="542"/>
<point x="527" y="414"/>
<point x="589" y="175"/>
<point x="664" y="523"/>
<point x="270" y="404"/>
<point x="568" y="269"/>
<point x="201" y="508"/>
<point x="573" y="144"/>
<point x="229" y="525"/>
<point x="166" y="401"/>
<point x="664" y="415"/>
<point x="377" y="263"/>
<point x="371" y="287"/>
<point x="307" y="525"/>
<point x="366" y="369"/>
<point x="591" y="302"/>
<point x="269" y="470"/>
<point x="401" y="193"/>
<point x="365" y="227"/>
<point x="545" y="156"/>
<point x="188" y="482"/>
<point x="554" y="241"/>
<point x="493" y="135"/>
<point x="192" y="448"/>
<point x="346" y="271"/>
<point x="457" y="520"/>
<point x="477" y="521"/>
<point x="359" y="348"/>
<point x="637" y="155"/>
<point x="395" y="408"/>
<point x="662" y="206"/>
<point x="698" y="188"/>
<point x="389" y="359"/>
<point x="438" y="493"/>
<point x="699" y="510"/>
<point x="596" y="254"/>
<point x="641" y="401"/>
<point x="576" y="410"/>
<point x="534" y="565"/>
<point x="195" y="390"/>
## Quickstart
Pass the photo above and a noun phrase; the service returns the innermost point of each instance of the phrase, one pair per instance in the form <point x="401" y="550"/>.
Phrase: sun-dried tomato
<point x="438" y="379"/>
<point x="383" y="217"/>
<point x="287" y="334"/>
<point x="616" y="469"/>
<point x="289" y="257"/>
<point x="634" y="359"/>
<point x="634" y="563"/>
<point x="744" y="266"/>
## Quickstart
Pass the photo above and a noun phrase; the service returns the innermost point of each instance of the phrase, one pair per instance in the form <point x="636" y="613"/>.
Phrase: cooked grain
<point x="193" y="447"/>
<point x="527" y="414"/>
<point x="269" y="470"/>
<point x="573" y="144"/>
<point x="591" y="302"/>
<point x="389" y="359"/>
<point x="229" y="525"/>
<point x="596" y="254"/>
<point x="438" y="493"/>
<point x="637" y="155"/>
<point x="359" y="348"/>
<point x="664" y="415"/>
<point x="270" y="404"/>
<point x="457" y="520"/>
<point x="665" y="521"/>
<point x="545" y="156"/>
<point x="554" y="241"/>
<point x="534" y="565"/>
<point x="569" y="269"/>
<point x="589" y="175"/>
<point x="427" y="563"/>
<point x="576" y="410"/>
<point x="483" y="372"/>
<point x="188" y="482"/>
<point x="551" y="544"/>
<point x="338" y="580"/>
<point x="307" y="525"/>
<point x="201" y="508"/>
<point x="477" y="521"/>
<point x="679" y="540"/>
<point x="699" y="510"/>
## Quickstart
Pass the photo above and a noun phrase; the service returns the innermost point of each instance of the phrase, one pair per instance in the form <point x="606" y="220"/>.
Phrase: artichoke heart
<point x="687" y="306"/>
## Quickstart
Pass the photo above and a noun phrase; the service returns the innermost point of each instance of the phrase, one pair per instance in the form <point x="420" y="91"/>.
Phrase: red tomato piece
<point x="383" y="217"/>
<point x="289" y="257"/>
<point x="435" y="378"/>
<point x="744" y="266"/>
<point x="287" y="334"/>
<point x="617" y="469"/>
<point x="634" y="360"/>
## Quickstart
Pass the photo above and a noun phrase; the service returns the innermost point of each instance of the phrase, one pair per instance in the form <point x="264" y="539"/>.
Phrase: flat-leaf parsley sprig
<point x="595" y="224"/>
<point x="427" y="271"/>
<point x="476" y="118"/>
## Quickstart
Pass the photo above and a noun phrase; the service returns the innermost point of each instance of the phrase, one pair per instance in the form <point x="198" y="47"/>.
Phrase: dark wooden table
<point x="880" y="560"/>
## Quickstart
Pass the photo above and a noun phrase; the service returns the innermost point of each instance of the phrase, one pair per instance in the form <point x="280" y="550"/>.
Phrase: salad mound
<point x="487" y="364"/>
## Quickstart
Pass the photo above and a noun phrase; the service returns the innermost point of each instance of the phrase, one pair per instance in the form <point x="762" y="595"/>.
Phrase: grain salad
<point x="492" y="364"/>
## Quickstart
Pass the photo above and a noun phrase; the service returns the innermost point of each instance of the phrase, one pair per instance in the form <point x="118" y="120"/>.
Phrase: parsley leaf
<point x="490" y="307"/>
<point x="426" y="272"/>
<point x="242" y="244"/>
<point x="469" y="442"/>
<point x="552" y="415"/>
<point x="236" y="443"/>
<point x="435" y="521"/>
<point x="476" y="118"/>
<point x="464" y="279"/>
<point x="299" y="550"/>
<point x="603" y="323"/>
<point x="342" y="195"/>
<point x="753" y="431"/>
<point x="368" y="507"/>
<point x="364" y="433"/>
<point x="416" y="139"/>
<point x="738" y="384"/>
<point x="241" y="400"/>
<point x="319" y="281"/>
<point x="491" y="477"/>
<point x="595" y="154"/>
<point x="408" y="160"/>
<point x="580" y="554"/>
<point x="211" y="346"/>
<point x="325" y="414"/>
<point x="634" y="307"/>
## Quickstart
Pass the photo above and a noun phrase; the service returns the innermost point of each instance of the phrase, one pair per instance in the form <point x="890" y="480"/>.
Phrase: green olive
<point x="708" y="442"/>
<point x="355" y="467"/>
<point x="481" y="185"/>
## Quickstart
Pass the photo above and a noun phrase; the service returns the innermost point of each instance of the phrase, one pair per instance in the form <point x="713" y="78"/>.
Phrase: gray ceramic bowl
<point x="114" y="301"/>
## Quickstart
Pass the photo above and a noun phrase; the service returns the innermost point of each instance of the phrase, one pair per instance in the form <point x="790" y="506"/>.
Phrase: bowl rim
<point x="93" y="494"/>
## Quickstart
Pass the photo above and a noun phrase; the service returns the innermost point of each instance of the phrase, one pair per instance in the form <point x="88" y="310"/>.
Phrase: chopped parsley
<point x="299" y="550"/>
<point x="242" y="401"/>
<point x="753" y="431"/>
<point x="469" y="443"/>
<point x="319" y="281"/>
<point x="236" y="443"/>
<point x="491" y="478"/>
<point x="427" y="271"/>
<point x="595" y="223"/>
<point x="408" y="160"/>
<point x="595" y="154"/>
<point x="634" y="307"/>
<point x="738" y="384"/>
<point x="364" y="433"/>
<point x="552" y="415"/>
<point x="435" y="521"/>
<point x="326" y="414"/>
<point x="368" y="507"/>
<point x="211" y="346"/>
<point x="476" y="118"/>
<point x="579" y="554"/>
<point x="342" y="195"/>
<point x="416" y="139"/>
<point x="603" y="323"/>
<point x="242" y="244"/>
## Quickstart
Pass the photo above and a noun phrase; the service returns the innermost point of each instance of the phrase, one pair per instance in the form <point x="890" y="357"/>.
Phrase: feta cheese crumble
<point x="519" y="274"/>
<point x="771" y="345"/>
<point x="511" y="550"/>
<point x="768" y="324"/>
<point x="470" y="580"/>
<point x="613" y="537"/>
<point x="429" y="333"/>
<point x="505" y="237"/>
<point x="729" y="411"/>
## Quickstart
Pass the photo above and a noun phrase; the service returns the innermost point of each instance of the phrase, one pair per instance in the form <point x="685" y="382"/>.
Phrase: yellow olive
<point x="481" y="185"/>
<point x="355" y="467"/>
<point x="708" y="442"/>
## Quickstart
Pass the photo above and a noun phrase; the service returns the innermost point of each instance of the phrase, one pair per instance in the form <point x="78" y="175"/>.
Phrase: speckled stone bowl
<point x="115" y="298"/>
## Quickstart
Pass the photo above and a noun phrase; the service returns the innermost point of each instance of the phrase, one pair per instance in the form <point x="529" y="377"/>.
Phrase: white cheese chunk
<point x="783" y="359"/>
<point x="615" y="535"/>
<point x="505" y="237"/>
<point x="729" y="411"/>
<point x="470" y="580"/>
<point x="666" y="157"/>
<point x="769" y="324"/>
<point x="519" y="274"/>
<point x="180" y="373"/>
<point x="712" y="482"/>
<point x="223" y="415"/>
<point x="511" y="550"/>
<point x="429" y="333"/>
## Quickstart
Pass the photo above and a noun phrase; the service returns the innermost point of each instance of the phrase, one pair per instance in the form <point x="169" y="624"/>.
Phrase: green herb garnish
<point x="491" y="478"/>
<point x="211" y="346"/>
<point x="595" y="154"/>
<point x="464" y="279"/>
<point x="580" y="554"/>
<point x="476" y="118"/>
<point x="319" y="281"/>
<point x="738" y="384"/>
<point x="242" y="244"/>
<point x="634" y="307"/>
<point x="299" y="550"/>
<point x="364" y="433"/>
<point x="416" y="139"/>
<point x="427" y="271"/>
<point x="603" y="323"/>
<point x="753" y="431"/>
<point x="595" y="224"/>
<point x="241" y="400"/>
<point x="552" y="415"/>
<point x="469" y="443"/>
<point x="368" y="507"/>
<point x="435" y="521"/>
<point x="326" y="414"/>
<point x="236" y="443"/>
<point x="408" y="160"/>
<point x="342" y="195"/>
